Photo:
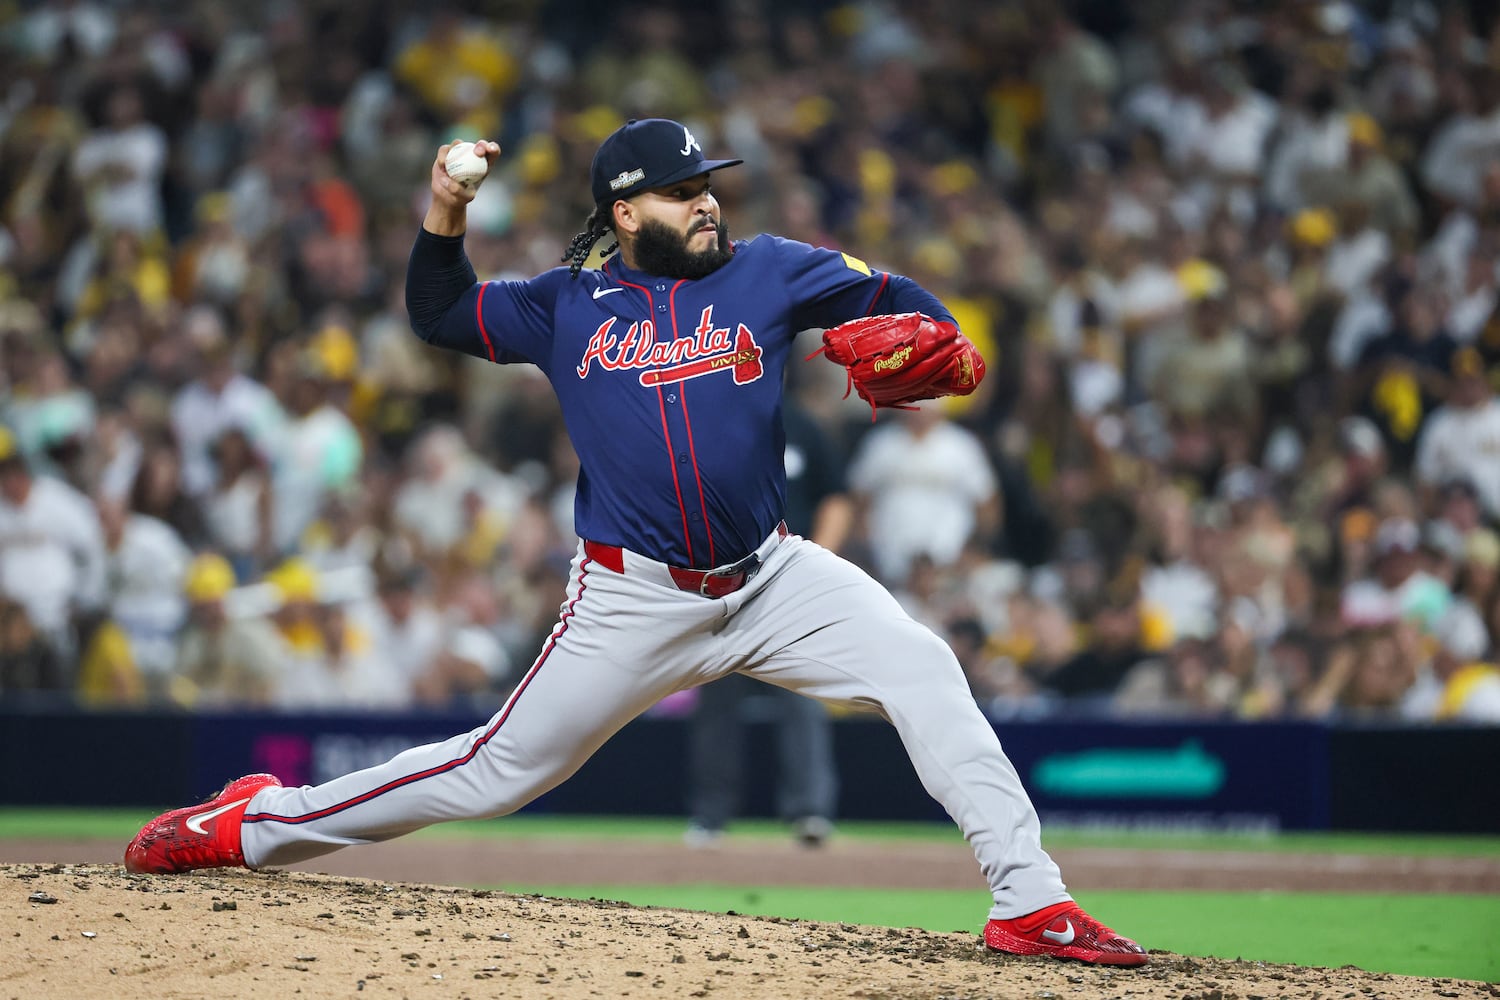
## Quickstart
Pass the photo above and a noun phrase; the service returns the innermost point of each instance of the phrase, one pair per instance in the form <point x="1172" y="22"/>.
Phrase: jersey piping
<point x="885" y="277"/>
<point x="479" y="319"/>
<point x="666" y="431"/>
<point x="692" y="446"/>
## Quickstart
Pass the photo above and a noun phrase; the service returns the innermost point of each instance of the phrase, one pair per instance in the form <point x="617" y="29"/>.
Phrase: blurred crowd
<point x="1235" y="267"/>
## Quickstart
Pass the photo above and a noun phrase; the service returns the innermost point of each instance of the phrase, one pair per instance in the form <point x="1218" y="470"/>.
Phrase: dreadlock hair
<point x="599" y="222"/>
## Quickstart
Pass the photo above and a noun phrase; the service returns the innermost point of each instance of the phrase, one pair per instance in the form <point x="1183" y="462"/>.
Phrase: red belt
<point x="708" y="582"/>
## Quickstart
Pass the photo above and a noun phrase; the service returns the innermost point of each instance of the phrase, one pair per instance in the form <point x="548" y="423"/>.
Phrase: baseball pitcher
<point x="668" y="364"/>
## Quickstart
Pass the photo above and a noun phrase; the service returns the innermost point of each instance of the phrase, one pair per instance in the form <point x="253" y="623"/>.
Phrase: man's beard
<point x="661" y="251"/>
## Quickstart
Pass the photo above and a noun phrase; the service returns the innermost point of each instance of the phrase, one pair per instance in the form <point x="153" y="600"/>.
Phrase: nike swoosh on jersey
<point x="1060" y="937"/>
<point x="195" y="822"/>
<point x="599" y="293"/>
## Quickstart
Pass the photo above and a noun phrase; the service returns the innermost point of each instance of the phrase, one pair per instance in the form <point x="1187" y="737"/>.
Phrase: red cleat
<point x="1065" y="931"/>
<point x="201" y="836"/>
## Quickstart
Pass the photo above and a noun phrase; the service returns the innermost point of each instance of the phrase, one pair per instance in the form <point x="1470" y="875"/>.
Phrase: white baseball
<point x="466" y="166"/>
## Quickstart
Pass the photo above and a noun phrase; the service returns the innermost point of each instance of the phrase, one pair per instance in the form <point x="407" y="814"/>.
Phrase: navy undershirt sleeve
<point x="438" y="273"/>
<point x="902" y="295"/>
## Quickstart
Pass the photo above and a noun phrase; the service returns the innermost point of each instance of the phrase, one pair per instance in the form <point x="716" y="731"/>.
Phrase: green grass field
<point x="1410" y="934"/>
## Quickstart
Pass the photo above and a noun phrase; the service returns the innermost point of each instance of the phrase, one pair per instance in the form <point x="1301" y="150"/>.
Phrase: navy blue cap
<point x="647" y="153"/>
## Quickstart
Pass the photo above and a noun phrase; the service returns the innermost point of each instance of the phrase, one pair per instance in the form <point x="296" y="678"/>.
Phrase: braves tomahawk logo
<point x="710" y="349"/>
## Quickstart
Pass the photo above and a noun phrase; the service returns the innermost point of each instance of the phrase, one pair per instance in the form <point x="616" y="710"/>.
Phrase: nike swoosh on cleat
<point x="196" y="821"/>
<point x="1060" y="937"/>
<point x="599" y="293"/>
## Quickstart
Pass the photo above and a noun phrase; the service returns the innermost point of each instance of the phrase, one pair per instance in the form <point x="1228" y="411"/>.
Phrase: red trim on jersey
<point x="672" y="460"/>
<point x="391" y="786"/>
<point x="666" y="432"/>
<point x="692" y="448"/>
<point x="885" y="279"/>
<point x="479" y="318"/>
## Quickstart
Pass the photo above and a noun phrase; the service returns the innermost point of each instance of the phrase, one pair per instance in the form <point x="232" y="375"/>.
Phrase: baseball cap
<point x="1360" y="436"/>
<point x="209" y="578"/>
<point x="1398" y="534"/>
<point x="646" y="153"/>
<point x="1467" y="362"/>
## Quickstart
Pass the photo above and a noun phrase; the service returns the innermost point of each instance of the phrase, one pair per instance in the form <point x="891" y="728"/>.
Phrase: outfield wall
<point x="1295" y="776"/>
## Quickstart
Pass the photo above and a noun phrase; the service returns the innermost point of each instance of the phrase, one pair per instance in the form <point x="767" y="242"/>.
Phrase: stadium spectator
<point x="147" y="562"/>
<point x="1462" y="439"/>
<point x="239" y="506"/>
<point x="403" y="621"/>
<point x="927" y="488"/>
<point x="222" y="660"/>
<point x="28" y="663"/>
<point x="52" y="555"/>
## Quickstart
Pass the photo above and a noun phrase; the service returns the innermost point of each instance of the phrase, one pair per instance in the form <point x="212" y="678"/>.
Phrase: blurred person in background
<point x="331" y="661"/>
<point x="1179" y="683"/>
<point x="218" y="398"/>
<point x="223" y="659"/>
<point x="925" y="487"/>
<point x="1113" y="648"/>
<point x="28" y="663"/>
<point x="1397" y="586"/>
<point x="1459" y="681"/>
<point x="1175" y="578"/>
<point x="403" y="621"/>
<point x="147" y="561"/>
<point x="158" y="493"/>
<point x="467" y="671"/>
<point x="1363" y="462"/>
<point x="318" y="454"/>
<point x="1204" y="372"/>
<point x="1478" y="577"/>
<point x="1366" y="675"/>
<point x="239" y="507"/>
<point x="1403" y="375"/>
<point x="1367" y="175"/>
<point x="52" y="554"/>
<point x="1462" y="438"/>
<point x="435" y="504"/>
<point x="120" y="165"/>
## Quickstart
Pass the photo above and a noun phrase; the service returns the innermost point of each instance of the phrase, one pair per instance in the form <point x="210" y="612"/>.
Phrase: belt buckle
<point x="746" y="568"/>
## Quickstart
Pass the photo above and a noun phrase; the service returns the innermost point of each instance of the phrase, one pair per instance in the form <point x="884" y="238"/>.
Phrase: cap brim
<point x="691" y="170"/>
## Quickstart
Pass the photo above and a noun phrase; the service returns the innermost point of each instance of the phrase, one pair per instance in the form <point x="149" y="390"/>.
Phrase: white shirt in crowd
<point x="1459" y="443"/>
<point x="320" y="454"/>
<point x="200" y="415"/>
<point x="361" y="679"/>
<point x="233" y="514"/>
<point x="412" y="645"/>
<point x="130" y="200"/>
<point x="52" y="554"/>
<point x="146" y="573"/>
<point x="924" y="493"/>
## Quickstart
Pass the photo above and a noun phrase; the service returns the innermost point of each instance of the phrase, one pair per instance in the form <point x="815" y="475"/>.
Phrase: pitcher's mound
<point x="93" y="931"/>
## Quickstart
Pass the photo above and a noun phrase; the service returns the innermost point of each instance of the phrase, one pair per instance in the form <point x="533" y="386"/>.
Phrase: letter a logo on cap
<point x="691" y="143"/>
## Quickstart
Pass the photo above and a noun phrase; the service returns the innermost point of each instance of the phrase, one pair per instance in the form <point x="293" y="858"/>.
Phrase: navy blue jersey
<point x="671" y="388"/>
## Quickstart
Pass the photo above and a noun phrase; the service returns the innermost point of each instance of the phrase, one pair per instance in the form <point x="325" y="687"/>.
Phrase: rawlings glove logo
<point x="893" y="362"/>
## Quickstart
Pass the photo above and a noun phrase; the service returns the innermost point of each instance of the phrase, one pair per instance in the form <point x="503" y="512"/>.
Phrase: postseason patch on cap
<point x="627" y="178"/>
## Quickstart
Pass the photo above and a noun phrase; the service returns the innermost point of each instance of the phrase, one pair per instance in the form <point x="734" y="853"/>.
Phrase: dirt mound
<point x="92" y="930"/>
